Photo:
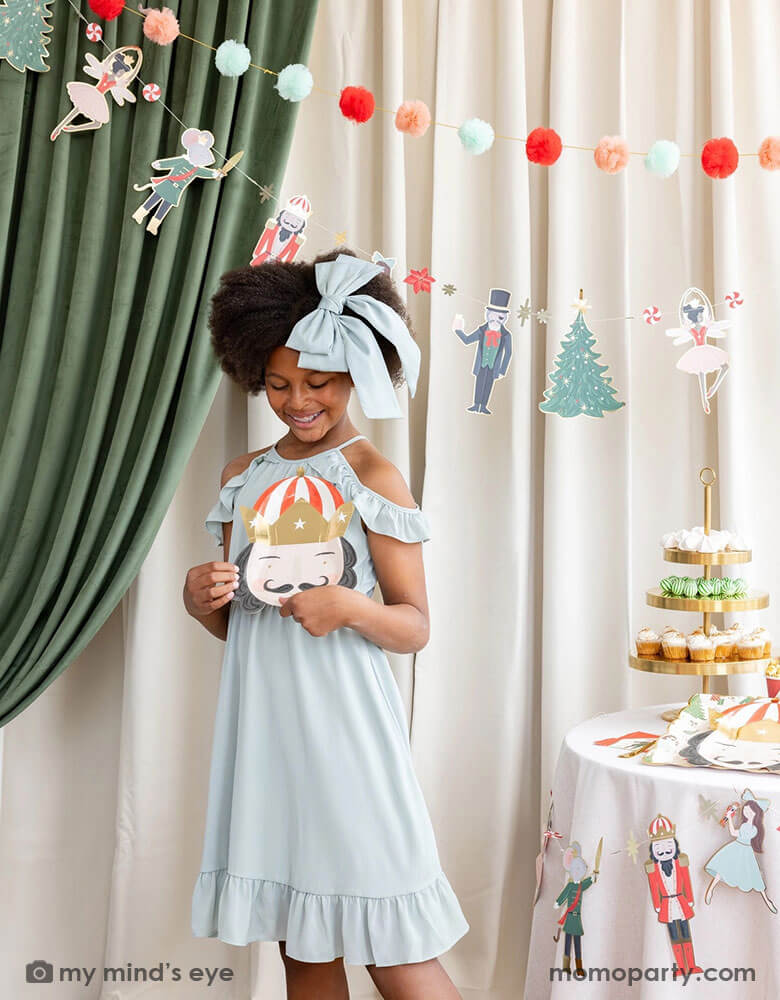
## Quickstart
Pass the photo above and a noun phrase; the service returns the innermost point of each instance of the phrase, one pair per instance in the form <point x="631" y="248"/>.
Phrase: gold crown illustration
<point x="300" y="522"/>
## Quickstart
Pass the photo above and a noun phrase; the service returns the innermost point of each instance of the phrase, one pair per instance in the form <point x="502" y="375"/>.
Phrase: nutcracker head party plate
<point x="728" y="732"/>
<point x="296" y="541"/>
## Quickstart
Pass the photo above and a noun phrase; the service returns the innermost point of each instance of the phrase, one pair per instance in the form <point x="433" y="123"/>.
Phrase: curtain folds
<point x="106" y="370"/>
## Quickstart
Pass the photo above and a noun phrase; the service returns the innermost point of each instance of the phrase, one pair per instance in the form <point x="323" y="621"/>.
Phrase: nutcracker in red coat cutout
<point x="671" y="893"/>
<point x="283" y="236"/>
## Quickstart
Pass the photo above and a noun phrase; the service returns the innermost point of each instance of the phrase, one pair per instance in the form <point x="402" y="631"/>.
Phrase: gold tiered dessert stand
<point x="754" y="600"/>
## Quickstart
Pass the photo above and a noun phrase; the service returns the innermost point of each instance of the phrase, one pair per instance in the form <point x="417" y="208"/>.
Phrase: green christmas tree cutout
<point x="23" y="31"/>
<point x="579" y="385"/>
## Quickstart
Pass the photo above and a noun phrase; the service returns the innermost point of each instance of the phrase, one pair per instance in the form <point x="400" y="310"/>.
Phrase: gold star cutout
<point x="341" y="238"/>
<point x="266" y="192"/>
<point x="342" y="516"/>
<point x="299" y="523"/>
<point x="582" y="303"/>
<point x="632" y="846"/>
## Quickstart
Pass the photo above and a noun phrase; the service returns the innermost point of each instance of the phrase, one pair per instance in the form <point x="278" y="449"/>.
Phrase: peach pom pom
<point x="769" y="153"/>
<point x="160" y="26"/>
<point x="413" y="117"/>
<point x="611" y="154"/>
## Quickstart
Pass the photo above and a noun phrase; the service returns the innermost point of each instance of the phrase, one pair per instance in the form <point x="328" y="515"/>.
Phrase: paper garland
<point x="697" y="323"/>
<point x="23" y="34"/>
<point x="494" y="347"/>
<point x="167" y="190"/>
<point x="735" y="864"/>
<point x="579" y="385"/>
<point x="671" y="893"/>
<point x="114" y="74"/>
<point x="282" y="237"/>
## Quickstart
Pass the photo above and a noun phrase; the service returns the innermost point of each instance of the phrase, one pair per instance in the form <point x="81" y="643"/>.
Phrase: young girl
<point x="317" y="833"/>
<point x="736" y="863"/>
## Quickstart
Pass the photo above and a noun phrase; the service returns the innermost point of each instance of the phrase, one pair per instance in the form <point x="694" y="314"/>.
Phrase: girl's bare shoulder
<point x="378" y="473"/>
<point x="237" y="465"/>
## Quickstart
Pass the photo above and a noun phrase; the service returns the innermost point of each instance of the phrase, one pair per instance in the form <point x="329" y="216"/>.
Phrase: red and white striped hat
<point x="298" y="509"/>
<point x="299" y="205"/>
<point x="661" y="828"/>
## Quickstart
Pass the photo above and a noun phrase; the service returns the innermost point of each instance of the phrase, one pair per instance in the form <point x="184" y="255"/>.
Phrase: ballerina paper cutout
<point x="736" y="864"/>
<point x="697" y="323"/>
<point x="114" y="75"/>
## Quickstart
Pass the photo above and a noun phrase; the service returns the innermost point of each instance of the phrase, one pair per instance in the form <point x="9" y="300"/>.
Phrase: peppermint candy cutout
<point x="652" y="315"/>
<point x="151" y="92"/>
<point x="734" y="299"/>
<point x="94" y="32"/>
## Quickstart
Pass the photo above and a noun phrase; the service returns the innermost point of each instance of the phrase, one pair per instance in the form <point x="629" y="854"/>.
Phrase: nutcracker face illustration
<point x="283" y="236"/>
<point x="296" y="542"/>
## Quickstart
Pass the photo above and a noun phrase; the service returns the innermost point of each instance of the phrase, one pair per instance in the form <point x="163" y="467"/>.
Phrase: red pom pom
<point x="356" y="103"/>
<point x="719" y="158"/>
<point x="107" y="9"/>
<point x="544" y="146"/>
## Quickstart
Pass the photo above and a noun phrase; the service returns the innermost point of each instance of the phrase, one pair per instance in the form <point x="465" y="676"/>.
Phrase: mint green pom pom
<point x="295" y="82"/>
<point x="232" y="58"/>
<point x="476" y="135"/>
<point x="663" y="158"/>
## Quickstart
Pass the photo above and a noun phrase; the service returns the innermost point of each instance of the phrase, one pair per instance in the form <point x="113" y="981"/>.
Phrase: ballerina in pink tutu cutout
<point x="114" y="75"/>
<point x="697" y="323"/>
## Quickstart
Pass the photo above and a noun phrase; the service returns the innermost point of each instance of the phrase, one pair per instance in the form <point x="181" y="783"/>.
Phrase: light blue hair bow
<point x="748" y="796"/>
<point x="329" y="341"/>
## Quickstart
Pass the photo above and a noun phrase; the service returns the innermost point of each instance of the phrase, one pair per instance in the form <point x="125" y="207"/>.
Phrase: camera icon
<point x="39" y="972"/>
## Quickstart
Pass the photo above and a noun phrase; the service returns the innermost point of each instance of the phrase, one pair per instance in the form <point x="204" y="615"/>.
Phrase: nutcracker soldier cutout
<point x="671" y="893"/>
<point x="283" y="236"/>
<point x="494" y="347"/>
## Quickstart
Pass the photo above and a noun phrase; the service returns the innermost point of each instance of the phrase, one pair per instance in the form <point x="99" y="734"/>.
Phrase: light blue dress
<point x="736" y="862"/>
<point x="317" y="832"/>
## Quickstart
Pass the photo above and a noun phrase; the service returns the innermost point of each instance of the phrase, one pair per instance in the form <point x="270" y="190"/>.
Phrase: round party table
<point x="626" y="950"/>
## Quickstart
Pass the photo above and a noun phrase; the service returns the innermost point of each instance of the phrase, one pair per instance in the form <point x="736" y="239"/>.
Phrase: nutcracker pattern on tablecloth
<point x="296" y="541"/>
<point x="282" y="236"/>
<point x="167" y="191"/>
<point x="494" y="347"/>
<point x="114" y="74"/>
<point x="735" y="864"/>
<point x="671" y="892"/>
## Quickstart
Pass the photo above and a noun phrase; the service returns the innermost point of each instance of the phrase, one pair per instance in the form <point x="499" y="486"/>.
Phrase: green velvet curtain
<point x="106" y="370"/>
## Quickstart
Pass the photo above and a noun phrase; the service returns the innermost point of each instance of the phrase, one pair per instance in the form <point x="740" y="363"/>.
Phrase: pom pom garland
<point x="476" y="135"/>
<point x="413" y="117"/>
<point x="160" y="26"/>
<point x="357" y="104"/>
<point x="663" y="158"/>
<point x="295" y="82"/>
<point x="611" y="154"/>
<point x="543" y="146"/>
<point x="232" y="58"/>
<point x="107" y="9"/>
<point x="769" y="153"/>
<point x="719" y="158"/>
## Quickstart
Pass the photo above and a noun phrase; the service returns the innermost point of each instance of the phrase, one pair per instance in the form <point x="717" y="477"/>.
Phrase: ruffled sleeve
<point x="408" y="524"/>
<point x="223" y="509"/>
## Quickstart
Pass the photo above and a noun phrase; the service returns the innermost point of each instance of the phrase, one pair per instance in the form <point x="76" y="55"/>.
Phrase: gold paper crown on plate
<point x="299" y="521"/>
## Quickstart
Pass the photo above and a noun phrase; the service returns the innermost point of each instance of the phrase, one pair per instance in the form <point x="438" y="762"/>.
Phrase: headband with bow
<point x="329" y="341"/>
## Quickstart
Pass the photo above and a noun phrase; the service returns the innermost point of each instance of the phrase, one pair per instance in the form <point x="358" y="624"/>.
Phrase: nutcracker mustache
<point x="287" y="587"/>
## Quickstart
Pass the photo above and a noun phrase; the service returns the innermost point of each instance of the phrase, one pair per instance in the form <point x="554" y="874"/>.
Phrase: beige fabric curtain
<point x="545" y="531"/>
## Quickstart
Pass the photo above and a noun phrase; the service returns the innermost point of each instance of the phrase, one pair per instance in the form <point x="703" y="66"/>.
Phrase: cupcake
<point x="740" y="587"/>
<point x="717" y="587"/>
<point x="724" y="646"/>
<point x="750" y="647"/>
<point x="669" y="586"/>
<point x="773" y="678"/>
<point x="700" y="646"/>
<point x="648" y="642"/>
<point x="728" y="587"/>
<point x="764" y="634"/>
<point x="690" y="587"/>
<point x="674" y="645"/>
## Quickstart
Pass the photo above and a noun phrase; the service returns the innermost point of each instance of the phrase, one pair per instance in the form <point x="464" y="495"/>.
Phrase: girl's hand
<point x="320" y="609"/>
<point x="208" y="587"/>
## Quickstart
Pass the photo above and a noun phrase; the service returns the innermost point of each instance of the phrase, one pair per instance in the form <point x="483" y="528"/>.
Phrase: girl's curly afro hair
<point x="255" y="308"/>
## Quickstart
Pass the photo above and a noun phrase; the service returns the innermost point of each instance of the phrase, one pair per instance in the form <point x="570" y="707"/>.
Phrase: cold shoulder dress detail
<point x="317" y="832"/>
